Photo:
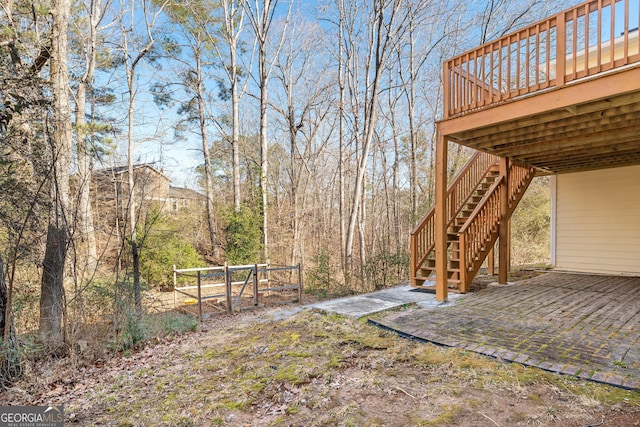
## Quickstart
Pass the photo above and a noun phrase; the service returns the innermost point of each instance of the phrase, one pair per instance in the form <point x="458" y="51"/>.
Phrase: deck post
<point x="509" y="245"/>
<point x="491" y="270"/>
<point x="441" y="218"/>
<point x="503" y="228"/>
<point x="413" y="264"/>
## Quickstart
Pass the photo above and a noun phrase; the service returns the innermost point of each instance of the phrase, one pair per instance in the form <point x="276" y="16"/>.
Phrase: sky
<point x="153" y="131"/>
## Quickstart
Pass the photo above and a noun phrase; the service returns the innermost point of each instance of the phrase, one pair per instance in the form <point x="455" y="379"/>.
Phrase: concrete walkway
<point x="582" y="325"/>
<point x="367" y="304"/>
<point x="375" y="302"/>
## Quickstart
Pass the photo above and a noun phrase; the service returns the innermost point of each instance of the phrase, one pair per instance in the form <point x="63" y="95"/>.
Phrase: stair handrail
<point x="475" y="235"/>
<point x="480" y="224"/>
<point x="458" y="193"/>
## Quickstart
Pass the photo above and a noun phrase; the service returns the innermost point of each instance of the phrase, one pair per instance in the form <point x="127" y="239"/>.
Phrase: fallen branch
<point x="406" y="392"/>
<point x="489" y="418"/>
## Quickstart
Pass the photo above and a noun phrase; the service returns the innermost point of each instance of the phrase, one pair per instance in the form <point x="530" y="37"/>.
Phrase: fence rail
<point x="236" y="279"/>
<point x="592" y="38"/>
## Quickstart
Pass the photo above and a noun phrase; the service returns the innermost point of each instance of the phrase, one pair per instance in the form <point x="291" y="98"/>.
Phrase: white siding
<point x="598" y="221"/>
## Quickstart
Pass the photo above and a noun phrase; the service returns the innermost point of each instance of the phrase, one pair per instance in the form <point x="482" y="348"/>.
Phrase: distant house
<point x="110" y="194"/>
<point x="185" y="199"/>
<point x="559" y="98"/>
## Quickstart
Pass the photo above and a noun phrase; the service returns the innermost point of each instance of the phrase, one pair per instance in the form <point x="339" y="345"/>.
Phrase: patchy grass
<point x="316" y="369"/>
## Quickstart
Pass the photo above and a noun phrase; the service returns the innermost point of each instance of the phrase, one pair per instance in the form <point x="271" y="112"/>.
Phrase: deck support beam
<point x="491" y="270"/>
<point x="503" y="228"/>
<point x="441" y="218"/>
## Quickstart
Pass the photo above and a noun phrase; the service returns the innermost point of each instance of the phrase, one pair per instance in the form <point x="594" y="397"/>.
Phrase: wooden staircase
<point x="473" y="218"/>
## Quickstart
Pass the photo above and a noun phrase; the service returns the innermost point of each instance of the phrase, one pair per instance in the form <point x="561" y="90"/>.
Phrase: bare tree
<point x="52" y="287"/>
<point x="232" y="27"/>
<point x="301" y="75"/>
<point x="131" y="62"/>
<point x="88" y="38"/>
<point x="261" y="14"/>
<point x="384" y="31"/>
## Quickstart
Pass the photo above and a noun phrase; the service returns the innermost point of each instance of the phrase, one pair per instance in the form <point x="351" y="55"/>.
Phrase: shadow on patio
<point x="576" y="324"/>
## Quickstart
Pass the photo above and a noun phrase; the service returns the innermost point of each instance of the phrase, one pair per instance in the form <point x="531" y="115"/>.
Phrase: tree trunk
<point x="341" y="84"/>
<point x="131" y="67"/>
<point x="264" y="152"/>
<point x="135" y="254"/>
<point x="261" y="15"/>
<point x="52" y="289"/>
<point x="235" y="106"/>
<point x="208" y="171"/>
<point x="10" y="366"/>
<point x="235" y="133"/>
<point x="371" y="115"/>
<point x="85" y="212"/>
<point x="52" y="286"/>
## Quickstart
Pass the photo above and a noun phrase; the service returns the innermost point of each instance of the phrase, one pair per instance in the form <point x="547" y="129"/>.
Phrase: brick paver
<point x="575" y="324"/>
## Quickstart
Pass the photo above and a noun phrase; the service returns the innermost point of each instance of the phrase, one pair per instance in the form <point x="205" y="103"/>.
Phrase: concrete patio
<point x="575" y="324"/>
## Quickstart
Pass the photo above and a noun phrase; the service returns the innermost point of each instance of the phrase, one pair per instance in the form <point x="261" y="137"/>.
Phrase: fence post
<point x="299" y="282"/>
<point x="199" y="299"/>
<point x="255" y="284"/>
<point x="175" y="283"/>
<point x="227" y="282"/>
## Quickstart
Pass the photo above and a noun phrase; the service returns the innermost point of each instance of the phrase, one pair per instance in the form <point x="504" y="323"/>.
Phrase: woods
<point x="310" y="128"/>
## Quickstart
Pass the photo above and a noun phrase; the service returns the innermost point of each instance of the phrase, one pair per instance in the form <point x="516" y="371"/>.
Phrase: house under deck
<point x="560" y="96"/>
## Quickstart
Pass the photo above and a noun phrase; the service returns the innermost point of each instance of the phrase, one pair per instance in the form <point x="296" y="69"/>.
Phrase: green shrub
<point x="386" y="269"/>
<point x="531" y="225"/>
<point x="243" y="236"/>
<point x="321" y="279"/>
<point x="161" y="247"/>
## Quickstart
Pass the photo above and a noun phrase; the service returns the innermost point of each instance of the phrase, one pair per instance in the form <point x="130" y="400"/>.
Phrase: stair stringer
<point x="480" y="232"/>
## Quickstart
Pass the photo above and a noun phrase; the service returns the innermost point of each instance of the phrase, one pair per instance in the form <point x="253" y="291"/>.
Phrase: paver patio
<point x="576" y="324"/>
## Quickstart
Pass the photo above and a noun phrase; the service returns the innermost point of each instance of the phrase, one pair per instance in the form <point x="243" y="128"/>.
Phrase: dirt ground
<point x="313" y="369"/>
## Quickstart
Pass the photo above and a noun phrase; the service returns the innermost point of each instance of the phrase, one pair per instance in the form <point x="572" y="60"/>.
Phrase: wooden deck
<point x="559" y="96"/>
<point x="562" y="95"/>
<point x="575" y="324"/>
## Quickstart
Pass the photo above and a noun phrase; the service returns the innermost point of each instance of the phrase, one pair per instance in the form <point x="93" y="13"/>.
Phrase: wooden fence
<point x="226" y="288"/>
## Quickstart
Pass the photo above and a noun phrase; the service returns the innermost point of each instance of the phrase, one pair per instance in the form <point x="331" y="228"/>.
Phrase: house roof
<point x="121" y="170"/>
<point x="184" y="193"/>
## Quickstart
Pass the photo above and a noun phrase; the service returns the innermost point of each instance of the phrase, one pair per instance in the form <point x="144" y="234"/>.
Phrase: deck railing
<point x="592" y="38"/>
